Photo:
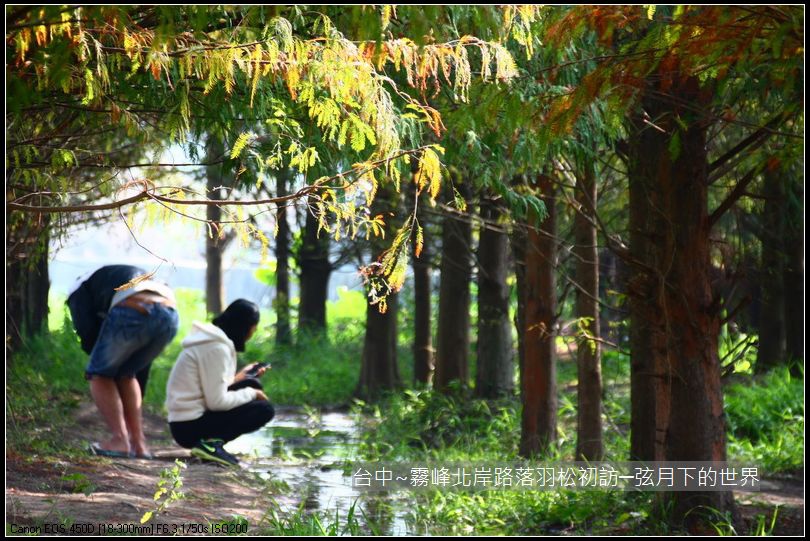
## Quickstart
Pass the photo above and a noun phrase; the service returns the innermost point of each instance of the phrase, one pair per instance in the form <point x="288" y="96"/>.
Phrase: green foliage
<point x="306" y="523"/>
<point x="532" y="512"/>
<point x="141" y="68"/>
<point x="317" y="370"/>
<point x="737" y="352"/>
<point x="766" y="421"/>
<point x="764" y="526"/>
<point x="81" y="483"/>
<point x="168" y="490"/>
<point x="425" y="423"/>
<point x="760" y="409"/>
<point x="44" y="384"/>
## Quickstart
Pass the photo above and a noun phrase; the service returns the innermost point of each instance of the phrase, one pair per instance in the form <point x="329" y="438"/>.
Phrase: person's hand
<point x="260" y="395"/>
<point x="242" y="374"/>
<point x="261" y="370"/>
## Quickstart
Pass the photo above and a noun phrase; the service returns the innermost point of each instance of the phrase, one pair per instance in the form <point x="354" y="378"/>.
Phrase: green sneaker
<point x="214" y="451"/>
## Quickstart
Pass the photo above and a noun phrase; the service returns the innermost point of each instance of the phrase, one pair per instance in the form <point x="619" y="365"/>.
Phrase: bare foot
<point x="141" y="450"/>
<point x="115" y="444"/>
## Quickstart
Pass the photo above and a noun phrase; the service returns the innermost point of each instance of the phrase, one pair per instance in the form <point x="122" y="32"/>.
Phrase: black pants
<point x="223" y="425"/>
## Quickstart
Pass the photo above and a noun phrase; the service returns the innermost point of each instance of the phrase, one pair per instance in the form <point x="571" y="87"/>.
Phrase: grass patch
<point x="302" y="522"/>
<point x="318" y="370"/>
<point x="766" y="421"/>
<point x="45" y="383"/>
<point x="531" y="512"/>
<point x="766" y="424"/>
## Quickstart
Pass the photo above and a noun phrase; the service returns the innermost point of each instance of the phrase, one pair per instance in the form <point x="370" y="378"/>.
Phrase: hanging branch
<point x="726" y="162"/>
<point x="148" y="193"/>
<point x="738" y="191"/>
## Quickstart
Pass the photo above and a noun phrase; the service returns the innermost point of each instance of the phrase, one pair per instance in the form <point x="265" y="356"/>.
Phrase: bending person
<point x="90" y="299"/>
<point x="124" y="331"/>
<point x="203" y="413"/>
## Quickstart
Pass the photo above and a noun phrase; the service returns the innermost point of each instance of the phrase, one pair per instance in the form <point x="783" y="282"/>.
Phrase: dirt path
<point x="784" y="495"/>
<point x="89" y="490"/>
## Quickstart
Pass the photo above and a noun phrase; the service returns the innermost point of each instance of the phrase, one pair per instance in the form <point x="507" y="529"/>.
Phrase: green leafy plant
<point x="168" y="490"/>
<point x="765" y="527"/>
<point x="81" y="483"/>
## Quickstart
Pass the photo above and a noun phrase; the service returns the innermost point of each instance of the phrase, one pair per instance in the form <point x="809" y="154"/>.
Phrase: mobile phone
<point x="253" y="372"/>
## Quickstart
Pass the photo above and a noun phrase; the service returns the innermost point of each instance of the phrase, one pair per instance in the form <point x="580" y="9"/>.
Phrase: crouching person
<point x="203" y="413"/>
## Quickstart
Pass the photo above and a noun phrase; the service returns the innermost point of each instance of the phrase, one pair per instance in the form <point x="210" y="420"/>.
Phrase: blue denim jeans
<point x="129" y="340"/>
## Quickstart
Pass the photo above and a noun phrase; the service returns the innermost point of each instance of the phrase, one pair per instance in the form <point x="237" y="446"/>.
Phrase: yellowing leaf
<point x="429" y="172"/>
<point x="240" y="144"/>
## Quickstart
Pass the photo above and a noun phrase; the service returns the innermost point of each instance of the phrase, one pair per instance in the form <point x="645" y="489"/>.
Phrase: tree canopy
<point x="96" y="90"/>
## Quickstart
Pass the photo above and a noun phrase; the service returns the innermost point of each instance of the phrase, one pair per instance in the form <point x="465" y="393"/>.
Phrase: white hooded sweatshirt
<point x="200" y="378"/>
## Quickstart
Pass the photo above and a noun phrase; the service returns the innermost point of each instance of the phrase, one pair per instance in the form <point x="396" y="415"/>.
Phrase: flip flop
<point x="96" y="449"/>
<point x="145" y="456"/>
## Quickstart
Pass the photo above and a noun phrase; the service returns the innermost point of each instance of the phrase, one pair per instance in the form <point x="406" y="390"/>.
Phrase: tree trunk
<point x="214" y="239"/>
<point x="697" y="429"/>
<point x="589" y="369"/>
<point x="422" y="339"/>
<point x="27" y="281"/>
<point x="315" y="272"/>
<point x="518" y="241"/>
<point x="453" y="342"/>
<point x="379" y="371"/>
<point x="794" y="274"/>
<point x="612" y="294"/>
<point x="649" y="384"/>
<point x="772" y="323"/>
<point x="680" y="371"/>
<point x="539" y="378"/>
<point x="281" y="304"/>
<point x="495" y="371"/>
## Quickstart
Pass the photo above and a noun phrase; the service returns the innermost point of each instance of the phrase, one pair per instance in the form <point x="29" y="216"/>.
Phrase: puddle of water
<point x="307" y="453"/>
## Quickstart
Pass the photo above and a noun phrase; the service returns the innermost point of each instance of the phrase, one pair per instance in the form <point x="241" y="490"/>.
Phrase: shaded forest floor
<point x="77" y="488"/>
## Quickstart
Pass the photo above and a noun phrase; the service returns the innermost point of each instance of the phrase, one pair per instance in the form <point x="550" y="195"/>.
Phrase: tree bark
<point x="613" y="311"/>
<point x="379" y="371"/>
<point x="27" y="281"/>
<point x="519" y="240"/>
<point x="589" y="358"/>
<point x="794" y="274"/>
<point x="649" y="383"/>
<point x="679" y="373"/>
<point x="281" y="304"/>
<point x="423" y="335"/>
<point x="539" y="379"/>
<point x="771" y="274"/>
<point x="495" y="370"/>
<point x="453" y="341"/>
<point x="214" y="240"/>
<point x="315" y="271"/>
